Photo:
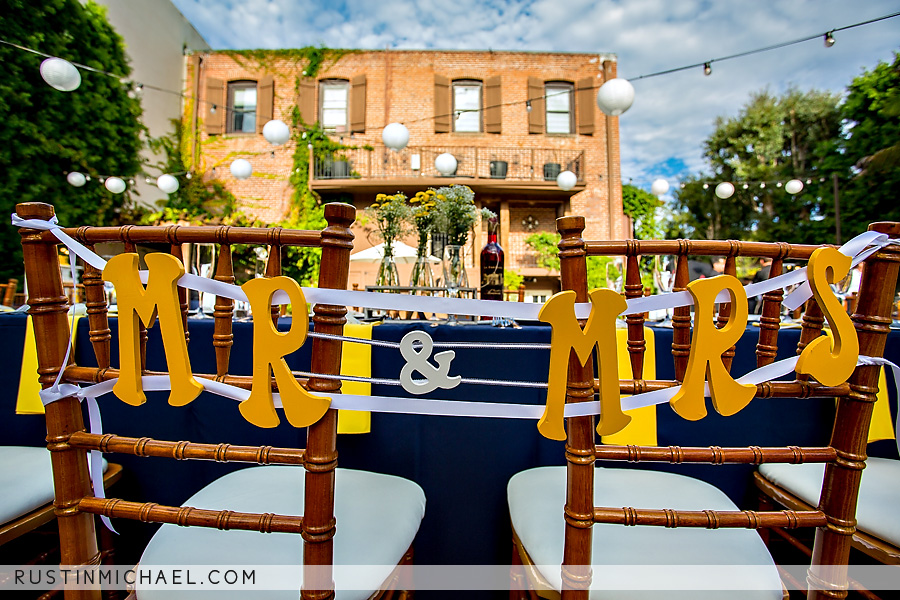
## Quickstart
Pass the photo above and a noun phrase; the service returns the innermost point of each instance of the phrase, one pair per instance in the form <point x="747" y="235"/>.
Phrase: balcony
<point x="525" y="171"/>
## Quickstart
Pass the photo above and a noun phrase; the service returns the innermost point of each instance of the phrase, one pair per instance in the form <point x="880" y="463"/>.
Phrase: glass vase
<point x="454" y="267"/>
<point x="421" y="275"/>
<point x="387" y="269"/>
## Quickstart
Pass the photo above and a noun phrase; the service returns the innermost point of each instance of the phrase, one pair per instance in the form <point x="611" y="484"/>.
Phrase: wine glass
<point x="615" y="281"/>
<point x="203" y="263"/>
<point x="664" y="277"/>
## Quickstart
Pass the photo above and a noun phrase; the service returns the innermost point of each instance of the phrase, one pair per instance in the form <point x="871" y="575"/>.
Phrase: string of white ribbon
<point x="859" y="248"/>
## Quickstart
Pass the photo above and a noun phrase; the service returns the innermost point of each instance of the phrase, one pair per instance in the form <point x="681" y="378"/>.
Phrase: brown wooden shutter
<point x="215" y="97"/>
<point x="265" y="102"/>
<point x="492" y="102"/>
<point x="306" y="100"/>
<point x="358" y="104"/>
<point x="584" y="105"/>
<point x="536" y="95"/>
<point x="441" y="104"/>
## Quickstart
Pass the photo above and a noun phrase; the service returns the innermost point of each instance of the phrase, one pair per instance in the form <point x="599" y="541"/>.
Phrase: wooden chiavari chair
<point x="378" y="515"/>
<point x="544" y="534"/>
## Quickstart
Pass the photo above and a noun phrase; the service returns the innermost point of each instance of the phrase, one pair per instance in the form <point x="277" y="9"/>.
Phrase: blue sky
<point x="663" y="133"/>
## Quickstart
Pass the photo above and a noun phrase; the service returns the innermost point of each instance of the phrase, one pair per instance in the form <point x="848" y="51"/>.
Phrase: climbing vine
<point x="311" y="57"/>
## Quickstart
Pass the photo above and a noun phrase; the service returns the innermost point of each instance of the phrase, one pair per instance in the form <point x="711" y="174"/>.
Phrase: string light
<point x="62" y="68"/>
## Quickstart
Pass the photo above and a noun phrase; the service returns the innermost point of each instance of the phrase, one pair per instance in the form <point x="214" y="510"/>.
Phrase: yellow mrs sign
<point x="137" y="304"/>
<point x="830" y="361"/>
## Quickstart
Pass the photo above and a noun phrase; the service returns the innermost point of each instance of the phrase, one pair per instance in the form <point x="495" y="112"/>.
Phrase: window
<point x="559" y="107"/>
<point x="242" y="102"/>
<point x="333" y="96"/>
<point x="467" y="105"/>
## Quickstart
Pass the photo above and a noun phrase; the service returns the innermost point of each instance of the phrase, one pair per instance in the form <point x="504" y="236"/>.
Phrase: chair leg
<point x="519" y="588"/>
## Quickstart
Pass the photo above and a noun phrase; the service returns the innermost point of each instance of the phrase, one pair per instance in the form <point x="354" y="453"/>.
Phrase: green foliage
<point x="641" y="206"/>
<point x="95" y="129"/>
<point x="871" y="148"/>
<point x="511" y="279"/>
<point x="773" y="138"/>
<point x="307" y="211"/>
<point x="195" y="201"/>
<point x="311" y="58"/>
<point x="544" y="245"/>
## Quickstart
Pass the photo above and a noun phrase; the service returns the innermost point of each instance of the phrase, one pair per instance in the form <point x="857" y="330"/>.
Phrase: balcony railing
<point x="518" y="164"/>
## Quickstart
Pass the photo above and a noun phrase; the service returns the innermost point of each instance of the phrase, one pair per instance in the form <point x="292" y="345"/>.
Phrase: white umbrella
<point x="403" y="254"/>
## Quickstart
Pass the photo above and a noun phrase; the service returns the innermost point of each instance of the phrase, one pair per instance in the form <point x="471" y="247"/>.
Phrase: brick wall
<point x="400" y="87"/>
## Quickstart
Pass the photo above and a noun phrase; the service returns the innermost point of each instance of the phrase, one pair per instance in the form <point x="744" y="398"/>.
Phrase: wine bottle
<point x="492" y="265"/>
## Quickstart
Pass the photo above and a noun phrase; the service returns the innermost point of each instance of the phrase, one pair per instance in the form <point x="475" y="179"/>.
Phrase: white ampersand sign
<point x="417" y="360"/>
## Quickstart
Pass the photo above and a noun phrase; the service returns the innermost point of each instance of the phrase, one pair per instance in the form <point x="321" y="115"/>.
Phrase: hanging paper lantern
<point x="445" y="164"/>
<point x="76" y="179"/>
<point x="725" y="190"/>
<point x="395" y="136"/>
<point x="566" y="180"/>
<point x="115" y="184"/>
<point x="794" y="186"/>
<point x="241" y="169"/>
<point x="60" y="74"/>
<point x="167" y="183"/>
<point x="615" y="96"/>
<point x="659" y="187"/>
<point x="276" y="132"/>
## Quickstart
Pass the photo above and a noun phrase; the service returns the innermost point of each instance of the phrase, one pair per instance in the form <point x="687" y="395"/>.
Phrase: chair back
<point x="67" y="440"/>
<point x="845" y="456"/>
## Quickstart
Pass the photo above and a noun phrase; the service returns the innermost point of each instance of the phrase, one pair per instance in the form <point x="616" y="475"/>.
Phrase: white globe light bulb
<point x="395" y="136"/>
<point x="115" y="184"/>
<point x="76" y="179"/>
<point x="615" y="96"/>
<point x="276" y="132"/>
<point x="445" y="164"/>
<point x="659" y="187"/>
<point x="167" y="183"/>
<point x="725" y="190"/>
<point x="566" y="180"/>
<point x="794" y="186"/>
<point x="241" y="169"/>
<point x="60" y="74"/>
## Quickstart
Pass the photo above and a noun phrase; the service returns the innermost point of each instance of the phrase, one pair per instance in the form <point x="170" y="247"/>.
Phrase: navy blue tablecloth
<point x="463" y="464"/>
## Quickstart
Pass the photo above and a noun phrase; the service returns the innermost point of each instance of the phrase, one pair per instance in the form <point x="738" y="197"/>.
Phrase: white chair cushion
<point x="26" y="480"/>
<point x="377" y="518"/>
<point x="537" y="497"/>
<point x="879" y="492"/>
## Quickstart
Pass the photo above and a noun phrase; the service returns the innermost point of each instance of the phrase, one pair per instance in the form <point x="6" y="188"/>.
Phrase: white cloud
<point x="672" y="114"/>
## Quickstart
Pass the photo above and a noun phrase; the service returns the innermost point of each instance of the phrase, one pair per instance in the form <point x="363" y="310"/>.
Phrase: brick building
<point x="513" y="120"/>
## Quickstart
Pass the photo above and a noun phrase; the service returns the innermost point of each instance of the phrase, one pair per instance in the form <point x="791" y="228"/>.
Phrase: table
<point x="463" y="464"/>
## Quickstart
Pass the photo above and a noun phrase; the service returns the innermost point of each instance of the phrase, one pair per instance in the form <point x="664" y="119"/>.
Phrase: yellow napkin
<point x="28" y="401"/>
<point x="356" y="359"/>
<point x="642" y="429"/>
<point x="881" y="428"/>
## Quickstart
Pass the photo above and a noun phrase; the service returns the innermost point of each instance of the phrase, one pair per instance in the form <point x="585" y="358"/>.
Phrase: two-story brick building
<point x="513" y="121"/>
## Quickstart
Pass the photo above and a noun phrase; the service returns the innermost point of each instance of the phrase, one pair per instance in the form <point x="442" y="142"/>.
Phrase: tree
<point x="641" y="206"/>
<point x="774" y="139"/>
<point x="871" y="151"/>
<point x="95" y="129"/>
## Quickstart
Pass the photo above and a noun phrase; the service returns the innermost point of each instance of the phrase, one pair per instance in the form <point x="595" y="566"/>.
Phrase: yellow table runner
<point x="356" y="359"/>
<point x="642" y="429"/>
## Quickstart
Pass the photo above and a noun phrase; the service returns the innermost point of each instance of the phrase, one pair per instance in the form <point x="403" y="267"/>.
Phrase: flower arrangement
<point x="455" y="212"/>
<point x="423" y="214"/>
<point x="391" y="215"/>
